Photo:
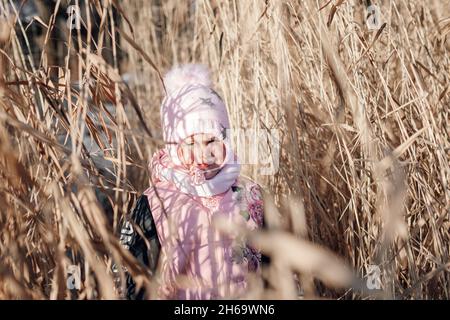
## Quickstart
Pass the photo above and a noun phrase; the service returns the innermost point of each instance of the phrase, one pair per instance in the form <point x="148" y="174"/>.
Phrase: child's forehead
<point x="200" y="137"/>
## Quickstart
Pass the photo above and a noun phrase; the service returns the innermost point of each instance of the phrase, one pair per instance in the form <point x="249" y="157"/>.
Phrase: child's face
<point x="204" y="151"/>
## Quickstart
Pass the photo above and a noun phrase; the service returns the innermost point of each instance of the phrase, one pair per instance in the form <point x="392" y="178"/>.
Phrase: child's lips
<point x="203" y="166"/>
<point x="206" y="167"/>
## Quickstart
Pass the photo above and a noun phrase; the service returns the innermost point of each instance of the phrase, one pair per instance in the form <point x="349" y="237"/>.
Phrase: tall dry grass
<point x="363" y="120"/>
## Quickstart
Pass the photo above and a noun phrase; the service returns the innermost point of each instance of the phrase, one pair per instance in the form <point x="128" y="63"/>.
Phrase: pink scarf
<point x="197" y="260"/>
<point x="193" y="181"/>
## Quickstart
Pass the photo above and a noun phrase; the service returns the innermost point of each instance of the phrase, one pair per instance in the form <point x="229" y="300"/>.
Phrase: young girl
<point x="195" y="179"/>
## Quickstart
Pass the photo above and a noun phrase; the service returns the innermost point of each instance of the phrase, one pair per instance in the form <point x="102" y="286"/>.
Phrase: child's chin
<point x="211" y="174"/>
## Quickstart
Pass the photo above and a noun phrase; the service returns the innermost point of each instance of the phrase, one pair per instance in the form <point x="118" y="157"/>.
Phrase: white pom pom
<point x="182" y="75"/>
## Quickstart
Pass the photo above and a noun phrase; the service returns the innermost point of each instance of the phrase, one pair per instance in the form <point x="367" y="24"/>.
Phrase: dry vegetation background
<point x="363" y="120"/>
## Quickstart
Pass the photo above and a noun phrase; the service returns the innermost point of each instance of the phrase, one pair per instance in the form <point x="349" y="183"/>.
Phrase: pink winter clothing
<point x="197" y="260"/>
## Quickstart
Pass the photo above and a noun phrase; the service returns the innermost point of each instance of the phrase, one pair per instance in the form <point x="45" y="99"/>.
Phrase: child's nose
<point x="204" y="156"/>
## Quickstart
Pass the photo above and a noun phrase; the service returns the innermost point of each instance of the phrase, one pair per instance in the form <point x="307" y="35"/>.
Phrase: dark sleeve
<point x="141" y="218"/>
<point x="265" y="260"/>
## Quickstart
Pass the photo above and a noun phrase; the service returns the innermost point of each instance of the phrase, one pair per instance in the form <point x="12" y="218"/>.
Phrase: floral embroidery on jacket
<point x="252" y="210"/>
<point x="256" y="212"/>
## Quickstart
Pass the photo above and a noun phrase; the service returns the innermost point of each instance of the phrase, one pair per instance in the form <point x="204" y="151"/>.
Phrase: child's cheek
<point x="219" y="154"/>
<point x="186" y="155"/>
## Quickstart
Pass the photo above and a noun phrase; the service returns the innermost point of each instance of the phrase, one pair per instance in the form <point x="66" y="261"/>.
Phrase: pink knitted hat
<point x="190" y="107"/>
